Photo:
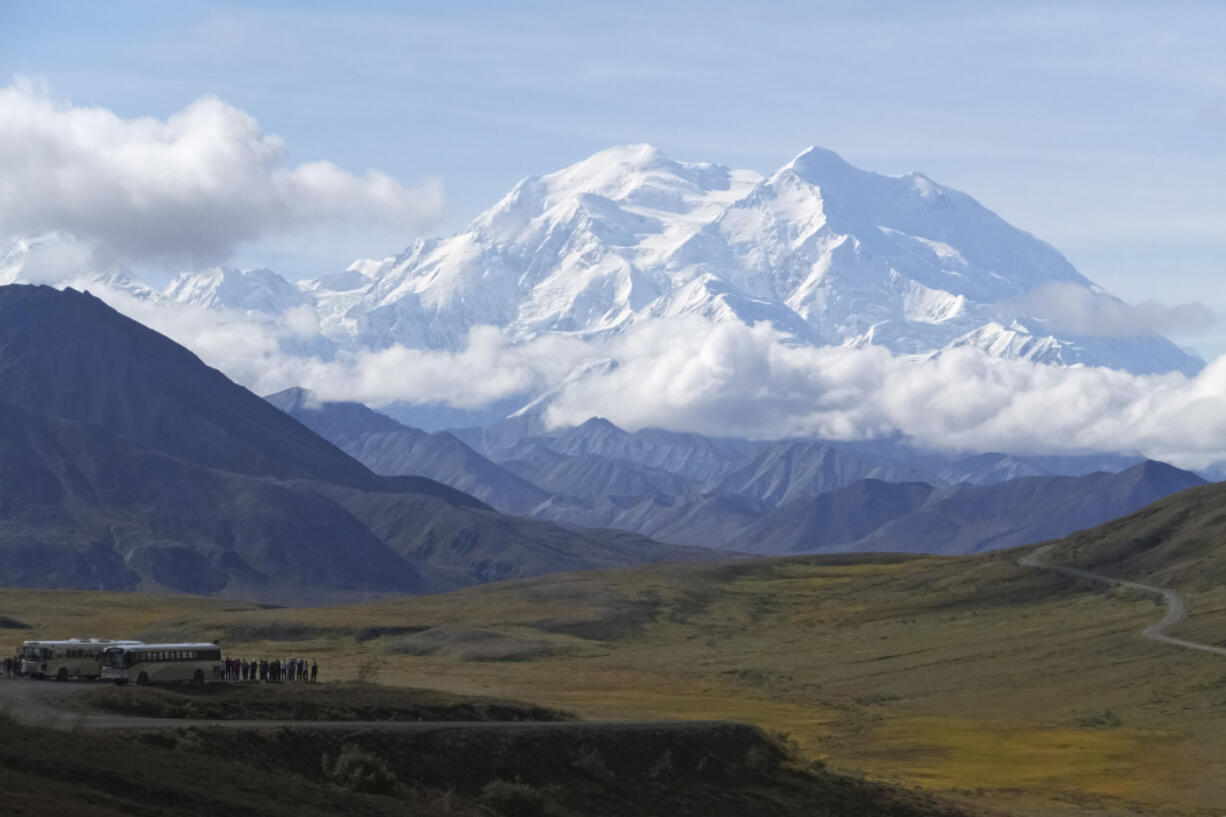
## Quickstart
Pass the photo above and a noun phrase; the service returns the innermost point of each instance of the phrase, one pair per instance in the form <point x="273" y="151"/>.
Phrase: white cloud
<point x="731" y="380"/>
<point x="190" y="187"/>
<point x="1070" y="308"/>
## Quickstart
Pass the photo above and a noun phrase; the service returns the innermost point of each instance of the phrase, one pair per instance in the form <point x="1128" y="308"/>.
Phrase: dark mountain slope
<point x="972" y="518"/>
<point x="442" y="457"/>
<point x="80" y="507"/>
<point x="697" y="520"/>
<point x="67" y="354"/>
<point x="874" y="515"/>
<point x="131" y="465"/>
<point x="387" y="447"/>
<point x="847" y="514"/>
<point x="331" y="419"/>
<point x="686" y="454"/>
<point x="591" y="475"/>
<point x="471" y="548"/>
<point x="790" y="470"/>
<point x="1178" y="541"/>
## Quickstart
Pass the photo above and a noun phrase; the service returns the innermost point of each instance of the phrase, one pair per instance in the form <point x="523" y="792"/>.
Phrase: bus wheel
<point x="142" y="679"/>
<point x="198" y="678"/>
<point x="120" y="682"/>
<point x="62" y="675"/>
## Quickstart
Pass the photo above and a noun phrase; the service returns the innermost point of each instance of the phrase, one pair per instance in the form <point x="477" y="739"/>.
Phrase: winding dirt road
<point x="1175" y="608"/>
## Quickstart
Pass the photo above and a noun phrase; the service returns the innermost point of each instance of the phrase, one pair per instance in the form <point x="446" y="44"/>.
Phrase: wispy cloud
<point x="1073" y="309"/>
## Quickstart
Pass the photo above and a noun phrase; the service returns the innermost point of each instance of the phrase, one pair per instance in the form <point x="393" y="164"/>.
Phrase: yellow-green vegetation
<point x="1004" y="686"/>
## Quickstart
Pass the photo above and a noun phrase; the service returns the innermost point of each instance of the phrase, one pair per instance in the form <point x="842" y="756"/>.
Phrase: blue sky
<point x="1099" y="127"/>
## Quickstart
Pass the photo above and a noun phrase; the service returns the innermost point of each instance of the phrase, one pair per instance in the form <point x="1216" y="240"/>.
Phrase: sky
<point x="1098" y="127"/>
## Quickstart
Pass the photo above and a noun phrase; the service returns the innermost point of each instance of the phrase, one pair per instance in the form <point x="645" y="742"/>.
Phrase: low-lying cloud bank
<point x="191" y="187"/>
<point x="728" y="379"/>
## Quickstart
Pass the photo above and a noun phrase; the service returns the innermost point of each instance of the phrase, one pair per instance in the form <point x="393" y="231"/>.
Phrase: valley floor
<point x="978" y="679"/>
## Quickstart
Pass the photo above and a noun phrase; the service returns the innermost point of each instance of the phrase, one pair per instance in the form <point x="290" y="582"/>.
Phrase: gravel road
<point x="1175" y="607"/>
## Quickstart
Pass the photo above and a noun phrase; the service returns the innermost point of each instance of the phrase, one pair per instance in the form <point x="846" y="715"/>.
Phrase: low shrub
<point x="514" y="799"/>
<point x="589" y="761"/>
<point x="1106" y="718"/>
<point x="358" y="770"/>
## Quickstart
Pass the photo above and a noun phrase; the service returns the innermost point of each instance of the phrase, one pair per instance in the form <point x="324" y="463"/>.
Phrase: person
<point x="8" y="667"/>
<point x="314" y="672"/>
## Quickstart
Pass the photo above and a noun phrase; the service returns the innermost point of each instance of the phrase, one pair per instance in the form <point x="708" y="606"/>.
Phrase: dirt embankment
<point x="307" y="702"/>
<point x="461" y="769"/>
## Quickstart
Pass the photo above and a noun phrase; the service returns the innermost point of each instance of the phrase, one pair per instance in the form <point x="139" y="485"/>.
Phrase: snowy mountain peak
<point x="816" y="163"/>
<point x="59" y="259"/>
<point x="617" y="172"/>
<point x="827" y="253"/>
<point x="251" y="290"/>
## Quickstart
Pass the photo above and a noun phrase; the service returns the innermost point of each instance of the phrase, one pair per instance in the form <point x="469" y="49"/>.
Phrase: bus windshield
<point x="33" y="652"/>
<point x="115" y="657"/>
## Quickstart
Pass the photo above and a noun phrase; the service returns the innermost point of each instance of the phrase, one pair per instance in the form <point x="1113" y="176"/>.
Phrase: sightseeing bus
<point x="161" y="663"/>
<point x="61" y="660"/>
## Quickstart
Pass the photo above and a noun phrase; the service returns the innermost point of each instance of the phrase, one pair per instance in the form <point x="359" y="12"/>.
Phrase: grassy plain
<point x="975" y="678"/>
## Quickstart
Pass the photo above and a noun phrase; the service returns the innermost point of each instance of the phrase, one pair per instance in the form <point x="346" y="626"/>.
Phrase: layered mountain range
<point x="786" y="496"/>
<point x="128" y="464"/>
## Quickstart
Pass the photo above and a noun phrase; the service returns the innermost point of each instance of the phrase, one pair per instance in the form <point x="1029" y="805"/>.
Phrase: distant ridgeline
<point x="789" y="496"/>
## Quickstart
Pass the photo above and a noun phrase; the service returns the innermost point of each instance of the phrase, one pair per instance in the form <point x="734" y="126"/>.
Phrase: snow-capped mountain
<point x="57" y="257"/>
<point x="253" y="290"/>
<point x="826" y="252"/>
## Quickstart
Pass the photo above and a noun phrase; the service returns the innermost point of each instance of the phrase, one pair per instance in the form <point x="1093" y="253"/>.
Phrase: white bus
<point x="161" y="663"/>
<point x="61" y="660"/>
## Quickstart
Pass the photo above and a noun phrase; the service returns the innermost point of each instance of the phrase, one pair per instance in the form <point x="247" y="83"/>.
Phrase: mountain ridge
<point x="766" y="498"/>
